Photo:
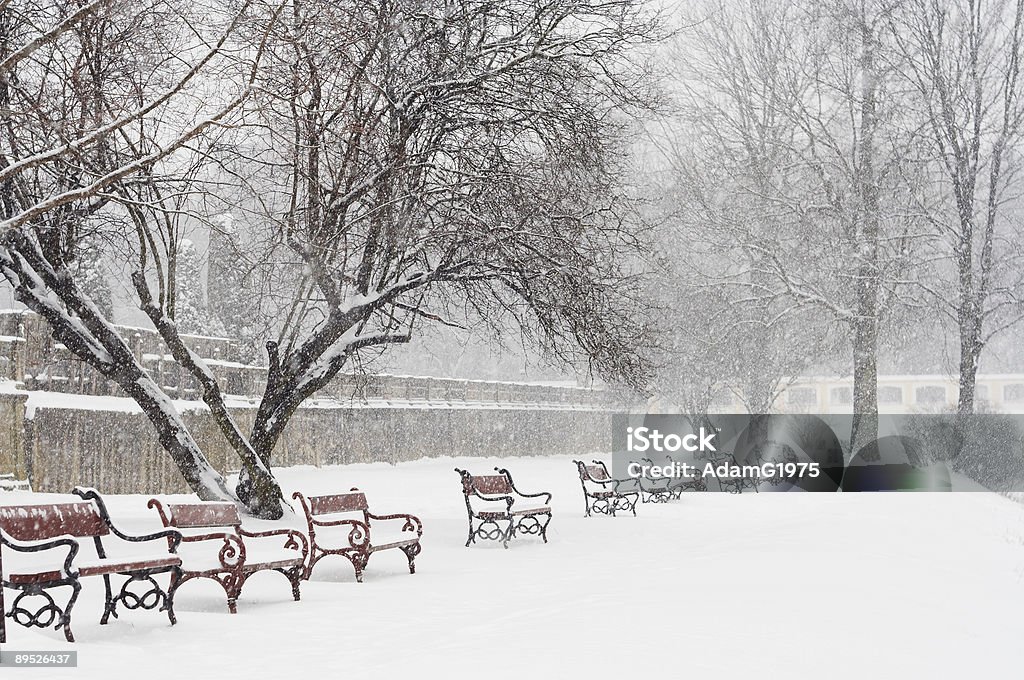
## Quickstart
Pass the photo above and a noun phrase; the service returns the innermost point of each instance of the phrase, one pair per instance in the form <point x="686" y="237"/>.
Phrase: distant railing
<point x="29" y="354"/>
<point x="994" y="392"/>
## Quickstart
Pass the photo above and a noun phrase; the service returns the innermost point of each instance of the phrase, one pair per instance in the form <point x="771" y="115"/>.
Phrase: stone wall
<point x="79" y="431"/>
<point x="117" y="452"/>
<point x="12" y="434"/>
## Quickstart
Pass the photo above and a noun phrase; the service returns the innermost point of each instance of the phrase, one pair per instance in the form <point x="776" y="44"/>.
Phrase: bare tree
<point x="962" y="61"/>
<point x="426" y="158"/>
<point x="792" y="174"/>
<point x="402" y="163"/>
<point x="92" y="97"/>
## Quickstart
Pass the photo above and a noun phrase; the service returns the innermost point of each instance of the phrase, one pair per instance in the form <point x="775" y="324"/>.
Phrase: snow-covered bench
<point x="677" y="485"/>
<point x="215" y="546"/>
<point x="495" y="491"/>
<point x="654" y="490"/>
<point x="602" y="494"/>
<point x="346" y="518"/>
<point x="35" y="538"/>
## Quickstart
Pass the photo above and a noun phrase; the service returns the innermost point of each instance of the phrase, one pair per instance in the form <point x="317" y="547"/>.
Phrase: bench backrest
<point x="354" y="501"/>
<point x="491" y="485"/>
<point x="597" y="473"/>
<point x="202" y="515"/>
<point x="41" y="522"/>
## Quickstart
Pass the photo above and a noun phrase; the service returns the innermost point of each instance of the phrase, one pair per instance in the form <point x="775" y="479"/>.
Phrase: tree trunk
<point x="970" y="354"/>
<point x="175" y="437"/>
<point x="77" y="323"/>
<point x="865" y="325"/>
<point x="257" y="489"/>
<point x="865" y="384"/>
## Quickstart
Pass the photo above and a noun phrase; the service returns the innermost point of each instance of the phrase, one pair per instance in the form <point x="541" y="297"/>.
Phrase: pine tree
<point x="231" y="290"/>
<point x="190" y="311"/>
<point x="92" y="277"/>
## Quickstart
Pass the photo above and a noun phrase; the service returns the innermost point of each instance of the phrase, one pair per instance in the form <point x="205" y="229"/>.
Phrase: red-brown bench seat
<point x="215" y="546"/>
<point x="342" y="524"/>
<point x="42" y="545"/>
<point x="602" y="494"/>
<point x="498" y="493"/>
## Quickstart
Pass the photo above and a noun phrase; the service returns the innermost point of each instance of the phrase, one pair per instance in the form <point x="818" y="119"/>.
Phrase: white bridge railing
<point x="995" y="393"/>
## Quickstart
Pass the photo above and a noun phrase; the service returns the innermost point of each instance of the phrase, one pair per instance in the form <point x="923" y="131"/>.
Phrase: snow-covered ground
<point x="786" y="585"/>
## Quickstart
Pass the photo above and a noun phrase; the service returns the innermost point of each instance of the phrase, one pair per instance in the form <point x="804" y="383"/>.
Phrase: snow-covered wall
<point x="112" y="447"/>
<point x="12" y="428"/>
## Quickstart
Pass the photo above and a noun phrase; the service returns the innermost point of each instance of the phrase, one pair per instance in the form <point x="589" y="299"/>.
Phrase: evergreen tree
<point x="190" y="311"/>
<point x="91" y="275"/>
<point x="231" y="289"/>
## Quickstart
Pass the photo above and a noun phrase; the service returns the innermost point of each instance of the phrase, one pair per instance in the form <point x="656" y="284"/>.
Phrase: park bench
<point x="215" y="546"/>
<point x="654" y="490"/>
<point x="28" y="534"/>
<point x="329" y="517"/>
<point x="494" y="491"/>
<point x="677" y="485"/>
<point x="598" y="497"/>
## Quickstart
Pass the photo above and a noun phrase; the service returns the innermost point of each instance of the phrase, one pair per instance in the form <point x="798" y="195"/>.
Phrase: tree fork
<point x="257" y="489"/>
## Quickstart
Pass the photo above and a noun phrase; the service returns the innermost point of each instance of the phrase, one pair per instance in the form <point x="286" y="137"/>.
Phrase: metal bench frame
<point x="605" y="501"/>
<point x="86" y="519"/>
<point x="235" y="567"/>
<point x="360" y="542"/>
<point x="500" y="489"/>
<point x="655" y="490"/>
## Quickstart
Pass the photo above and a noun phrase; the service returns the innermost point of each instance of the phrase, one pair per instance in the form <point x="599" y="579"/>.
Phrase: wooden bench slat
<point x="395" y="544"/>
<point x="354" y="501"/>
<point x="492" y="485"/>
<point x="273" y="564"/>
<point x="102" y="567"/>
<point x="203" y="516"/>
<point x="42" y="522"/>
<point x="37" y="577"/>
<point x="531" y="511"/>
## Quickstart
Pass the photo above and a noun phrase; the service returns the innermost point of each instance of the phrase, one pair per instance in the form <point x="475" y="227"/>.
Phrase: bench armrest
<point x="505" y="472"/>
<point x="546" y="494"/>
<point x="616" y="482"/>
<point x="232" y="552"/>
<point x="358" y="535"/>
<point x="173" y="536"/>
<point x="296" y="540"/>
<point x="508" y="500"/>
<point x="39" y="546"/>
<point x="412" y="523"/>
<point x="620" y="482"/>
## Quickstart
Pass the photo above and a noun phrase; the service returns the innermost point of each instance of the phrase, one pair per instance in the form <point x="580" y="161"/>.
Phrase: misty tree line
<point x="841" y="179"/>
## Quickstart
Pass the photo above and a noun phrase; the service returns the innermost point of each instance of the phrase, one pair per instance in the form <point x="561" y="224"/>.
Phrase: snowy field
<point x="770" y="585"/>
